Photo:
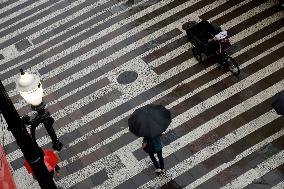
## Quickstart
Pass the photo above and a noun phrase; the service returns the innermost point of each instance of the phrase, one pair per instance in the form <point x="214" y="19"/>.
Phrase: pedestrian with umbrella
<point x="50" y="161"/>
<point x="150" y="122"/>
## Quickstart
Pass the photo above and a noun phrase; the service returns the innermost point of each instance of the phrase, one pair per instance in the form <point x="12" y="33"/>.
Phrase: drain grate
<point x="127" y="77"/>
<point x="22" y="45"/>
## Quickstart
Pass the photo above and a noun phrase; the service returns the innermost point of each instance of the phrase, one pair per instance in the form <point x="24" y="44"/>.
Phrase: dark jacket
<point x="155" y="142"/>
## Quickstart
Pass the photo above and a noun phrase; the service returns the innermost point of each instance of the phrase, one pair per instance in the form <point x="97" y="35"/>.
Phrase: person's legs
<point x="152" y="157"/>
<point x="161" y="159"/>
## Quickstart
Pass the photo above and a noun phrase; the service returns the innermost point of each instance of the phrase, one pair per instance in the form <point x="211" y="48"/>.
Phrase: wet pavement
<point x="101" y="60"/>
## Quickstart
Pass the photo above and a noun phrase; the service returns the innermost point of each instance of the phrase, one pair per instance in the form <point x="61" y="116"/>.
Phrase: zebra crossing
<point x="226" y="133"/>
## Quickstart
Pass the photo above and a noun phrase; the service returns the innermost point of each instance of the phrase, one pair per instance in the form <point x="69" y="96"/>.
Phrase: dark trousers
<point x="160" y="157"/>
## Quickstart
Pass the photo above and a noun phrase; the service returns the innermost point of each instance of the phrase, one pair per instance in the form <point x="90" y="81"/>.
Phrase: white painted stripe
<point x="90" y="39"/>
<point x="20" y="11"/>
<point x="206" y="126"/>
<point x="91" y="169"/>
<point x="117" y="119"/>
<point x="250" y="32"/>
<point x="95" y="94"/>
<point x="110" y="43"/>
<point x="233" y="39"/>
<point x="129" y="90"/>
<point x="256" y="58"/>
<point x="255" y="173"/>
<point x="175" y="52"/>
<point x="171" y="55"/>
<point x="241" y="51"/>
<point x="82" y="102"/>
<point x="92" y="149"/>
<point x="280" y="185"/>
<point x="136" y="66"/>
<point x="242" y="17"/>
<point x="43" y="19"/>
<point x="106" y="125"/>
<point x="259" y="25"/>
<point x="26" y="27"/>
<point x="213" y="149"/>
<point x="73" y="16"/>
<point x="250" y="13"/>
<point x="172" y="148"/>
<point x="229" y="10"/>
<point x="43" y="77"/>
<point x="6" y="8"/>
<point x="57" y="35"/>
<point x="115" y="55"/>
<point x="246" y="32"/>
<point x="162" y="45"/>
<point x="224" y="75"/>
<point x="17" y="154"/>
<point x="238" y="158"/>
<point x="133" y="169"/>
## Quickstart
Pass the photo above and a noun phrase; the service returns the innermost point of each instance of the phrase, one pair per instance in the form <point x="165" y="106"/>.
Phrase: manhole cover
<point x="22" y="45"/>
<point x="127" y="77"/>
<point x="1" y="57"/>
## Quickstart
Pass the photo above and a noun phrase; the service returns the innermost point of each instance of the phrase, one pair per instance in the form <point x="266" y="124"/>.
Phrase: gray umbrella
<point x="150" y="120"/>
<point x="278" y="103"/>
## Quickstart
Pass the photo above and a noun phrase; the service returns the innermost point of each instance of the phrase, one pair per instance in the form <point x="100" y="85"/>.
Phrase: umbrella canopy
<point x="50" y="160"/>
<point x="278" y="103"/>
<point x="149" y="121"/>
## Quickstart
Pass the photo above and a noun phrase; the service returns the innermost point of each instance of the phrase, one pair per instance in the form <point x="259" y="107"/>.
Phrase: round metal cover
<point x="127" y="77"/>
